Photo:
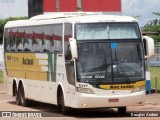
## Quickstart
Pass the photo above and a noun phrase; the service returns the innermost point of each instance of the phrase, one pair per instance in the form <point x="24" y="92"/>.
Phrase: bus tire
<point x="17" y="96"/>
<point x="65" y="110"/>
<point x="122" y="110"/>
<point x="23" y="100"/>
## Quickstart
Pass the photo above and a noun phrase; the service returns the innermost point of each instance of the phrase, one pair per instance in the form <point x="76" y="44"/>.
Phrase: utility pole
<point x="57" y="5"/>
<point x="79" y="5"/>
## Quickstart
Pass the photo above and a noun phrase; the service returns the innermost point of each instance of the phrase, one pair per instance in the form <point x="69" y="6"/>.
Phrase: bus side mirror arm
<point x="73" y="46"/>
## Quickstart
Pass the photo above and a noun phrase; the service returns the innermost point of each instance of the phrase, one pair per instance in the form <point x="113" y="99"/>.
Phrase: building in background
<point x="36" y="7"/>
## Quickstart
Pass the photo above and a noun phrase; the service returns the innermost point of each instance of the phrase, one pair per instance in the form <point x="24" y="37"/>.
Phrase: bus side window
<point x="69" y="64"/>
<point x="34" y="45"/>
<point x="27" y="42"/>
<point x="7" y="40"/>
<point x="13" y="43"/>
<point x="45" y="45"/>
<point x="57" y="37"/>
<point x="68" y="55"/>
<point x="19" y="44"/>
<point x="37" y="39"/>
<point x="52" y="45"/>
<point x="46" y="41"/>
<point x="20" y="39"/>
<point x="67" y="35"/>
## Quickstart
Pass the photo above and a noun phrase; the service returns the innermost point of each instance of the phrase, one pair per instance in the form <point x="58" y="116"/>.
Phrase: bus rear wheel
<point x="24" y="102"/>
<point x="17" y="96"/>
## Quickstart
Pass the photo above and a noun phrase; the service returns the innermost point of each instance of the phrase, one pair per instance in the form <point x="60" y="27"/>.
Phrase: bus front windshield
<point x="112" y="60"/>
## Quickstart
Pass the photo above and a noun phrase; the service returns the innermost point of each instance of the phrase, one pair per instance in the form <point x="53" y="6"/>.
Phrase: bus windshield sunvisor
<point x="91" y="31"/>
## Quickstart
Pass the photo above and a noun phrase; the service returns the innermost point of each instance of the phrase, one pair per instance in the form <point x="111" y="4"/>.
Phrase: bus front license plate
<point x="113" y="100"/>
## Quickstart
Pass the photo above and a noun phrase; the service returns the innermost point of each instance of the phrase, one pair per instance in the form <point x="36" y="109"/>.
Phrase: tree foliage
<point x="156" y="13"/>
<point x="154" y="27"/>
<point x="4" y="21"/>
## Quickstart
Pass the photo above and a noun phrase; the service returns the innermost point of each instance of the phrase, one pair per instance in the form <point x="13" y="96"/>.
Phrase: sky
<point x="142" y="8"/>
<point x="13" y="8"/>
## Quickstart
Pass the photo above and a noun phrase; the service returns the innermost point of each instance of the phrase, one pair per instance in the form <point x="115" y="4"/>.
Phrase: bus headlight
<point x="140" y="88"/>
<point x="84" y="90"/>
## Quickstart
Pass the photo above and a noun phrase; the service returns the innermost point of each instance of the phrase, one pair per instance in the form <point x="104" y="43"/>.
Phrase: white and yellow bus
<point x="76" y="60"/>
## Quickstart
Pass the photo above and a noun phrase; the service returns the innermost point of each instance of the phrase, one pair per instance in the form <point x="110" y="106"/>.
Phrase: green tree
<point x="136" y="16"/>
<point x="156" y="13"/>
<point x="154" y="27"/>
<point x="4" y="21"/>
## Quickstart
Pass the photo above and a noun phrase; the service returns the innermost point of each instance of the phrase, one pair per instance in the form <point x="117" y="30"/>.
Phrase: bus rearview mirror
<point x="73" y="46"/>
<point x="148" y="46"/>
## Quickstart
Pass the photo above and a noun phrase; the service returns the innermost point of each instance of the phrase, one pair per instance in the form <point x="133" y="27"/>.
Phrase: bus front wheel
<point x="65" y="110"/>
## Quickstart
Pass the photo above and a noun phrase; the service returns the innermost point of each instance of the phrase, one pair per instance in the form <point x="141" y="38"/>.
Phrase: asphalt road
<point x="47" y="111"/>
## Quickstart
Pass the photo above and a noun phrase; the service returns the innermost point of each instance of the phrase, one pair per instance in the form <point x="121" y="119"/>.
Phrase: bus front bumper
<point x="82" y="100"/>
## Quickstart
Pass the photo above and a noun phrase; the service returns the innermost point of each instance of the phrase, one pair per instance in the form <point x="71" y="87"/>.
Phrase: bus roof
<point x="101" y="18"/>
<point x="60" y="15"/>
<point x="79" y="17"/>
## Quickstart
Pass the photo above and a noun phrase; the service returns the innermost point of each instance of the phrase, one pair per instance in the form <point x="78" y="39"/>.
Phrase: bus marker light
<point x="84" y="105"/>
<point x="113" y="100"/>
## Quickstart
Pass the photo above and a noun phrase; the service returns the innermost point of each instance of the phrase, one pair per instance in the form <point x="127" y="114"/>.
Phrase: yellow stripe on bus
<point x="29" y="66"/>
<point x="123" y="86"/>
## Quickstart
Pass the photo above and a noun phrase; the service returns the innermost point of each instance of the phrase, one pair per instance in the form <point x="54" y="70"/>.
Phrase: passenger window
<point x="36" y="47"/>
<point x="27" y="42"/>
<point x="68" y="55"/>
<point x="19" y="40"/>
<point x="47" y="36"/>
<point x="52" y="46"/>
<point x="67" y="35"/>
<point x="19" y="44"/>
<point x="37" y="39"/>
<point x="57" y="37"/>
<point x="13" y="43"/>
<point x="7" y="40"/>
<point x="46" y="46"/>
<point x="13" y="39"/>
